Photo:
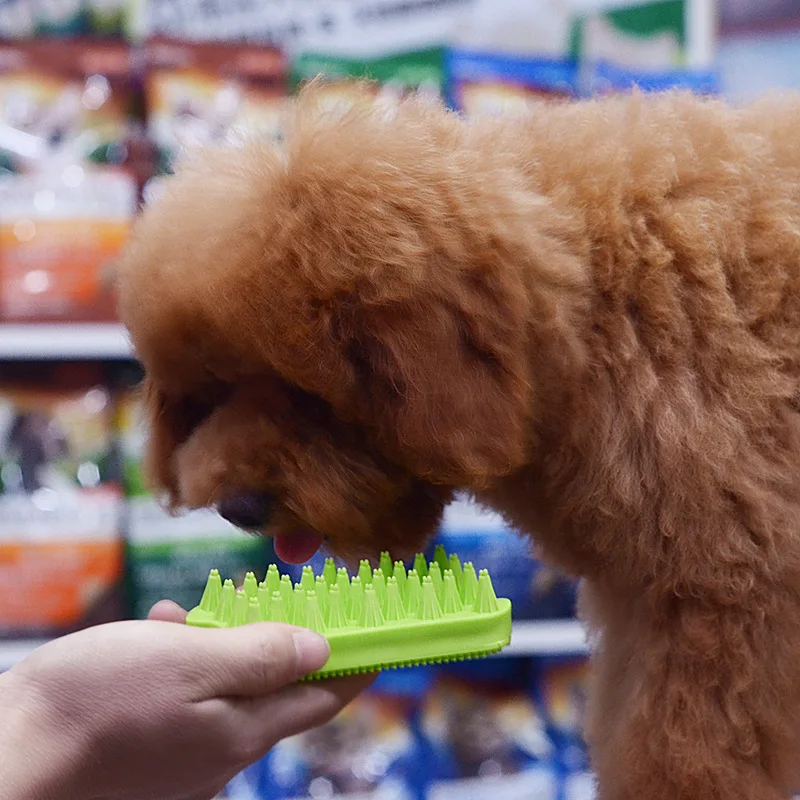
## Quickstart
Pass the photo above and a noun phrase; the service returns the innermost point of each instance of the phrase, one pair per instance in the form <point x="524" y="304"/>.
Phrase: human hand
<point x="152" y="709"/>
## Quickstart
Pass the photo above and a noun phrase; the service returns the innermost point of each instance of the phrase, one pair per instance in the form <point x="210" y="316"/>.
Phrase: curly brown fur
<point x="589" y="319"/>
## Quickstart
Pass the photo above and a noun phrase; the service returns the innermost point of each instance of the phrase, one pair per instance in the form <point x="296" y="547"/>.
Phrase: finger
<point x="167" y="611"/>
<point x="265" y="720"/>
<point x="252" y="660"/>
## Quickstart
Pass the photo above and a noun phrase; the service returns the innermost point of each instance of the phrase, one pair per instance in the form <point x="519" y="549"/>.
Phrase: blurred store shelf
<point x="68" y="341"/>
<point x="556" y="638"/>
<point x="547" y="638"/>
<point x="15" y="651"/>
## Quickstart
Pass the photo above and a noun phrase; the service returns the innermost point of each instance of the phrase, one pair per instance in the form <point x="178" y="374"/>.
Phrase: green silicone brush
<point x="377" y="619"/>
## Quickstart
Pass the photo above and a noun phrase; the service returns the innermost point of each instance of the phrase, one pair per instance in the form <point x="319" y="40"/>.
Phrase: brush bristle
<point x="384" y="618"/>
<point x="435" y="594"/>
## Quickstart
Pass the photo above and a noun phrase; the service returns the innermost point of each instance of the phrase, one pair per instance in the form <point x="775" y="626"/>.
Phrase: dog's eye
<point x="193" y="411"/>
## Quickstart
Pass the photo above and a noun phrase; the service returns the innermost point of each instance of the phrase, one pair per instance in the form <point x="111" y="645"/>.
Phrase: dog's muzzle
<point x="248" y="510"/>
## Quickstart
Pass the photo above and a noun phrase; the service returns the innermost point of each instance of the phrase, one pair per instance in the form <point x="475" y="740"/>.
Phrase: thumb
<point x="167" y="611"/>
<point x="253" y="660"/>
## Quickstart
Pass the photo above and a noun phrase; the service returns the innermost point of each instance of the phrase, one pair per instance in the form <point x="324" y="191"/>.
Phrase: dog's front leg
<point x="692" y="700"/>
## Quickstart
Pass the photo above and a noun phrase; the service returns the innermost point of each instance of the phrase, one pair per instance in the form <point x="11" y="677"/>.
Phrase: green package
<point x="422" y="70"/>
<point x="168" y="556"/>
<point x="111" y="17"/>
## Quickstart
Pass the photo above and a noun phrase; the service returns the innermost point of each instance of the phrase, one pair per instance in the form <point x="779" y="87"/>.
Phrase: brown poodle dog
<point x="589" y="319"/>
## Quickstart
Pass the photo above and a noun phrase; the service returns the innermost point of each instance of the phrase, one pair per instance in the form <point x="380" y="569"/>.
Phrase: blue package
<point x="536" y="590"/>
<point x="493" y="670"/>
<point x="246" y="785"/>
<point x="480" y="83"/>
<point x="651" y="45"/>
<point x="608" y="77"/>
<point x="562" y="685"/>
<point x="485" y="740"/>
<point x="370" y="751"/>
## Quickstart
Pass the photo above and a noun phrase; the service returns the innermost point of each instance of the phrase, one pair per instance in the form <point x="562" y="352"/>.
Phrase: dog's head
<point x="335" y="332"/>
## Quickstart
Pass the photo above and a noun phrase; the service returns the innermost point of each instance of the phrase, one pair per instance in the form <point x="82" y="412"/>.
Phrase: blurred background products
<point x="653" y="46"/>
<point x="168" y="556"/>
<point x="200" y="94"/>
<point x="67" y="198"/>
<point x="372" y="749"/>
<point x="61" y="559"/>
<point x="97" y="100"/>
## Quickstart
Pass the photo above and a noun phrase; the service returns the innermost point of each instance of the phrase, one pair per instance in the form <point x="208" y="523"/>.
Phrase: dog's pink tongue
<point x="297" y="547"/>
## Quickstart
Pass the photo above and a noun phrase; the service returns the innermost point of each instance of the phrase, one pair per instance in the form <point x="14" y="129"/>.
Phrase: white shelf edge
<point x="547" y="638"/>
<point x="535" y="638"/>
<point x="51" y="341"/>
<point x="12" y="652"/>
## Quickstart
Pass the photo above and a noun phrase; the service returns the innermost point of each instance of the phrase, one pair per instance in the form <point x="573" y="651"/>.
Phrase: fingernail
<point x="312" y="651"/>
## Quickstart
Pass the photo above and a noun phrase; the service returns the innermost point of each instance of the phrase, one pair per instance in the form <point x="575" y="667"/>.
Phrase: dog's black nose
<point x="248" y="510"/>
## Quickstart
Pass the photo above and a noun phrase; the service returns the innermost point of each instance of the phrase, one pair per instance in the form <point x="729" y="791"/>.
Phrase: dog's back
<point x="672" y="194"/>
<point x="669" y="478"/>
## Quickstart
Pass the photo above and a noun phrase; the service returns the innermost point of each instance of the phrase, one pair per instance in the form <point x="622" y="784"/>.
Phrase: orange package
<point x="203" y="93"/>
<point x="59" y="236"/>
<point x="61" y="553"/>
<point x="64" y="101"/>
<point x="67" y="198"/>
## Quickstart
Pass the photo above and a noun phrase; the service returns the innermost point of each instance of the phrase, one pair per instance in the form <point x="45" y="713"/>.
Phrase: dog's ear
<point x="442" y="374"/>
<point x="171" y="421"/>
<point x="443" y="346"/>
<point x="166" y="430"/>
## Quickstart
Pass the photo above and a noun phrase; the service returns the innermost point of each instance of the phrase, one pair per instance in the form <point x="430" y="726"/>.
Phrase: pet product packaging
<point x="486" y="741"/>
<point x="368" y="29"/>
<point x="17" y="19"/>
<point x="66" y="199"/>
<point x="60" y="17"/>
<point x="202" y="21"/>
<point x="61" y="555"/>
<point x="370" y="751"/>
<point x="563" y="689"/>
<point x="536" y="590"/>
<point x="393" y="76"/>
<point x="653" y="46"/>
<point x="245" y="785"/>
<point x="508" y="56"/>
<point x="496" y="83"/>
<point x="252" y="21"/>
<point x="199" y="94"/>
<point x="64" y="102"/>
<point x="59" y="236"/>
<point x="344" y="27"/>
<point x="112" y="18"/>
<point x="169" y="556"/>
